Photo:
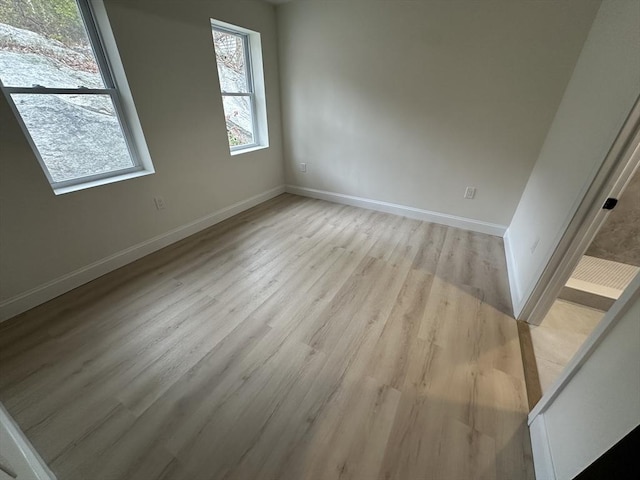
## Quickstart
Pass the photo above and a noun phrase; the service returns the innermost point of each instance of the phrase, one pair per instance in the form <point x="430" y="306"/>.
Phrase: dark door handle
<point x="610" y="204"/>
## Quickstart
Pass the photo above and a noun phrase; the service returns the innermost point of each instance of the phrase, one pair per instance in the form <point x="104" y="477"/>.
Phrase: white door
<point x="18" y="459"/>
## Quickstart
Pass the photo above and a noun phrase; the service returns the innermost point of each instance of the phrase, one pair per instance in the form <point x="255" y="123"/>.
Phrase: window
<point x="72" y="102"/>
<point x="239" y="62"/>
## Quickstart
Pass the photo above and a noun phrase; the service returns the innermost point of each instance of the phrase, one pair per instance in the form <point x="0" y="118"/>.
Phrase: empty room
<point x="318" y="239"/>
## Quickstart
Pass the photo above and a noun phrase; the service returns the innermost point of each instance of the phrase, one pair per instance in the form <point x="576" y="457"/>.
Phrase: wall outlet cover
<point x="470" y="193"/>
<point x="159" y="201"/>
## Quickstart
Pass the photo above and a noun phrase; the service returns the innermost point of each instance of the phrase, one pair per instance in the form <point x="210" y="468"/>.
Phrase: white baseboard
<point x="516" y="295"/>
<point x="21" y="458"/>
<point x="542" y="459"/>
<point x="45" y="292"/>
<point x="405" y="211"/>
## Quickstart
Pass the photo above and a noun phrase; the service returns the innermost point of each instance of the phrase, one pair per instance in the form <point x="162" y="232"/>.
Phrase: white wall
<point x="600" y="94"/>
<point x="409" y="102"/>
<point x="600" y="404"/>
<point x="167" y="51"/>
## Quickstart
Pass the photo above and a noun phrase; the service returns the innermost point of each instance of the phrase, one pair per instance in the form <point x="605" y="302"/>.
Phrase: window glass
<point x="63" y="91"/>
<point x="239" y="118"/>
<point x="44" y="42"/>
<point x="231" y="61"/>
<point x="76" y="135"/>
<point x="236" y="85"/>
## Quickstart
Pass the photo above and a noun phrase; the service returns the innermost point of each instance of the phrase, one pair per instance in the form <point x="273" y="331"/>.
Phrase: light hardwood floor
<point x="298" y="340"/>
<point x="557" y="339"/>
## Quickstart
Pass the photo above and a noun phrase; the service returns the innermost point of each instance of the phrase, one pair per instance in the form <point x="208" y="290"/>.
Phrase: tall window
<point x="55" y="74"/>
<point x="241" y="85"/>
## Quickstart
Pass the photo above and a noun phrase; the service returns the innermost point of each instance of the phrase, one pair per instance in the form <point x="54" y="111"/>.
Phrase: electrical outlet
<point x="470" y="193"/>
<point x="159" y="201"/>
<point x="303" y="167"/>
<point x="534" y="245"/>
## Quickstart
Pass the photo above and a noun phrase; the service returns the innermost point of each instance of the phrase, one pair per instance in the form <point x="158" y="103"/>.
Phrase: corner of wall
<point x="542" y="459"/>
<point x="512" y="275"/>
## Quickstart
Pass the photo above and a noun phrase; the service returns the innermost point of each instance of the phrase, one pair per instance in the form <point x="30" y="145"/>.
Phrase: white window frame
<point x="94" y="17"/>
<point x="255" y="85"/>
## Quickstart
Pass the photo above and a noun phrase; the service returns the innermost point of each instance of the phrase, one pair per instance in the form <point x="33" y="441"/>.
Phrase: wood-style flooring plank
<point x="298" y="340"/>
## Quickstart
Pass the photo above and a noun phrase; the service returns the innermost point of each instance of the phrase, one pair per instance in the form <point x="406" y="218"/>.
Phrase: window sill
<point x="102" y="181"/>
<point x="249" y="149"/>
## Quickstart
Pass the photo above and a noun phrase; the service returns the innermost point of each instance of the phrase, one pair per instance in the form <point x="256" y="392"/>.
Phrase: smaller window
<point x="239" y="61"/>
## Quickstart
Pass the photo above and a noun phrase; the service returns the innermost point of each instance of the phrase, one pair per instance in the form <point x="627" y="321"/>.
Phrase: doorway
<point x="610" y="182"/>
<point x="605" y="270"/>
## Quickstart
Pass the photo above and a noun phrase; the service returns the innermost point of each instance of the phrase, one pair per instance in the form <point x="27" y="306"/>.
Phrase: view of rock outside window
<point x="44" y="43"/>
<point x="236" y="87"/>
